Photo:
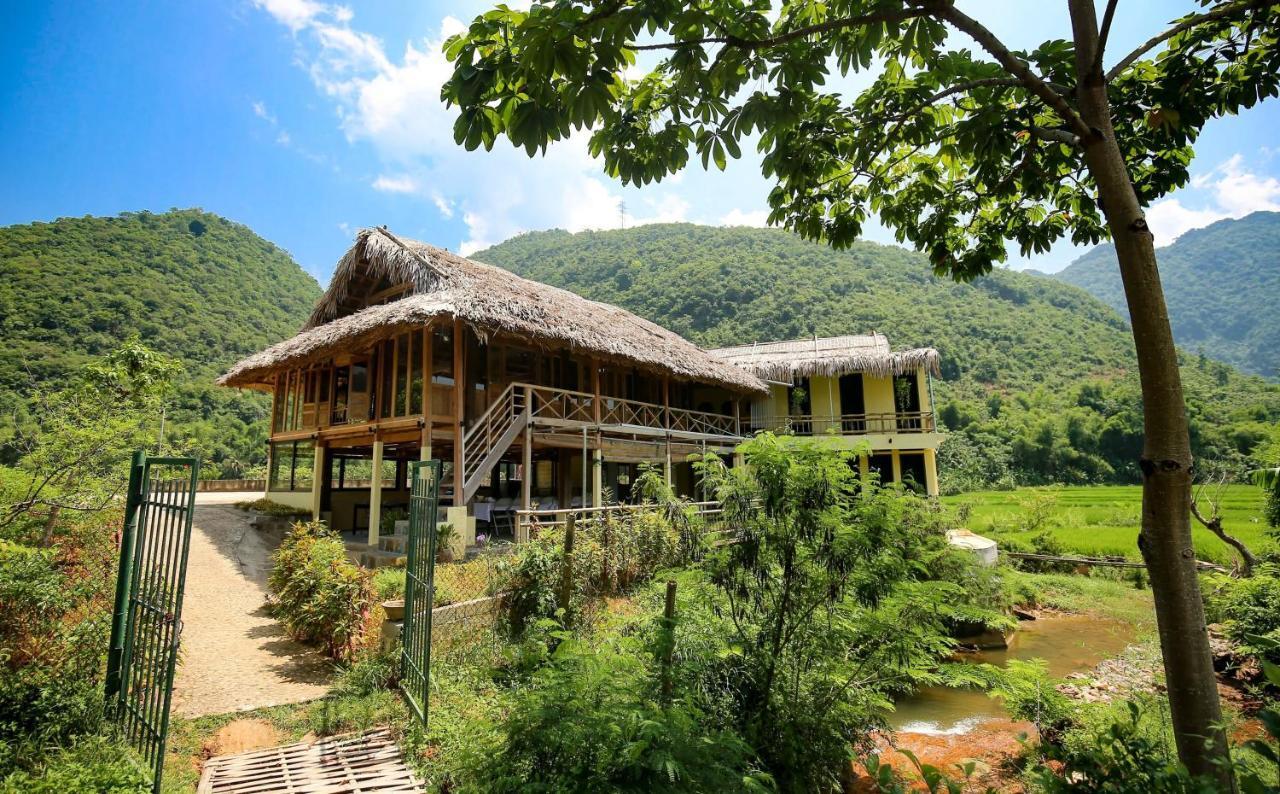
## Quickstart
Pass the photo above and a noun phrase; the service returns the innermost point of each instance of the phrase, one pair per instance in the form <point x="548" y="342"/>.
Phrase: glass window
<point x="402" y="374"/>
<point x="386" y="366"/>
<point x="304" y="461"/>
<point x="281" y="467"/>
<point x="415" y="382"/>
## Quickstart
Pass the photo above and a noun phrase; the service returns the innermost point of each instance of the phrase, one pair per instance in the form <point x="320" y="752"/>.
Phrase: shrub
<point x="268" y="507"/>
<point x="1120" y="757"/>
<point x="1250" y="609"/>
<point x="53" y="636"/>
<point x="590" y="720"/>
<point x="320" y="595"/>
<point x="610" y="555"/>
<point x="95" y="763"/>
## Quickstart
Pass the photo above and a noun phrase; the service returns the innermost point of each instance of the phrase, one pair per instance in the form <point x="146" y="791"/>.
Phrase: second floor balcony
<point x="847" y="424"/>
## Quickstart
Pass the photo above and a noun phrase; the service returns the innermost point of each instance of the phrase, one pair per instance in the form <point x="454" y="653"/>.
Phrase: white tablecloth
<point x="484" y="511"/>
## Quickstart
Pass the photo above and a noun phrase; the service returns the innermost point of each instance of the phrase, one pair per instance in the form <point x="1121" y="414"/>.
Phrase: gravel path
<point x="234" y="655"/>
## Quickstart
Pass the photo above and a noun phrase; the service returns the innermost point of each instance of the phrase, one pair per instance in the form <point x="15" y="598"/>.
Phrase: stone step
<point x="396" y="543"/>
<point x="379" y="558"/>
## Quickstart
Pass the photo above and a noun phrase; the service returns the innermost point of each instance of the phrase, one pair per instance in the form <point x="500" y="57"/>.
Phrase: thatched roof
<point x="831" y="355"/>
<point x="488" y="299"/>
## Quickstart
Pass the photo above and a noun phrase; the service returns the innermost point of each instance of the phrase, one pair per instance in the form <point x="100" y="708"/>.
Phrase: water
<point x="1068" y="643"/>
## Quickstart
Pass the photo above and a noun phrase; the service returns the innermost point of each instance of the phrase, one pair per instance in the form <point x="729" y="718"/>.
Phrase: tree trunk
<point x="1165" y="537"/>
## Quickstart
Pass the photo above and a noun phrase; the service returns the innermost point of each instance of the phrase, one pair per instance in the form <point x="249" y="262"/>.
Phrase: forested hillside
<point x="1038" y="376"/>
<point x="1222" y="284"/>
<point x="190" y="284"/>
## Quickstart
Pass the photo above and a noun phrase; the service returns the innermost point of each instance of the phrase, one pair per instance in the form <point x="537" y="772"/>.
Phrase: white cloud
<point x="395" y="184"/>
<point x="295" y="14"/>
<point x="1233" y="192"/>
<point x="260" y="110"/>
<point x="393" y="105"/>
<point x="442" y="204"/>
<point x="283" y="138"/>
<point x="738" y="217"/>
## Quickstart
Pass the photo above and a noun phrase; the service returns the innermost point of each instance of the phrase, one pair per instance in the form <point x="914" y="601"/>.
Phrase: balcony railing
<point x="563" y="406"/>
<point x="847" y="424"/>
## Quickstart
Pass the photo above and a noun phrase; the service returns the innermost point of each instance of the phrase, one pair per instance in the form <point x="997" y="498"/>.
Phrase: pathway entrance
<point x="234" y="655"/>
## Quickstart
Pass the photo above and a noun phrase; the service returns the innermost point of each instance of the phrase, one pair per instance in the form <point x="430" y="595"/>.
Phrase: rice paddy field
<point x="1101" y="519"/>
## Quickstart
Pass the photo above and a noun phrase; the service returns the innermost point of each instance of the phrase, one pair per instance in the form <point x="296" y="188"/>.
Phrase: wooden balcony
<point x="848" y="424"/>
<point x="551" y="407"/>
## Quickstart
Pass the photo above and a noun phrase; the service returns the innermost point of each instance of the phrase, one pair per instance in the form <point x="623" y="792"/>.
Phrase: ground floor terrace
<point x="537" y="454"/>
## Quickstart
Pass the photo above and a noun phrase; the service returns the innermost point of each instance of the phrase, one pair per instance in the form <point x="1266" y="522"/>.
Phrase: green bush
<point x="53" y="637"/>
<point x="1120" y="757"/>
<point x="320" y="595"/>
<point x="591" y="720"/>
<point x="93" y="764"/>
<point x="1250" y="610"/>
<point x="267" y="507"/>
<point x="610" y="555"/>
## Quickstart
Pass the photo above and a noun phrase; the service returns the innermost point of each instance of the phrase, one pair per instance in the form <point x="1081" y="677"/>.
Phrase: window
<point x="851" y="395"/>
<point x="292" y="465"/>
<point x="913" y="471"/>
<point x="798" y="398"/>
<point x="882" y="464"/>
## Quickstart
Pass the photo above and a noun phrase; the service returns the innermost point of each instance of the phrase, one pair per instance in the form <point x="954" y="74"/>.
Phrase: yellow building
<point x="855" y="389"/>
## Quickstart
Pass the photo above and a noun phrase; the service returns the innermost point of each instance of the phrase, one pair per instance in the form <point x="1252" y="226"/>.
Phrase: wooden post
<point x="317" y="472"/>
<point x="375" y="494"/>
<point x="427" y="344"/>
<point x="526" y="453"/>
<point x="595" y="403"/>
<point x="668" y="639"/>
<point x="459" y="410"/>
<point x="597" y="475"/>
<point x="566" y="569"/>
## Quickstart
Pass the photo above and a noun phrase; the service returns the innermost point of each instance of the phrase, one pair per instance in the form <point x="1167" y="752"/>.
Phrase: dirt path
<point x="234" y="655"/>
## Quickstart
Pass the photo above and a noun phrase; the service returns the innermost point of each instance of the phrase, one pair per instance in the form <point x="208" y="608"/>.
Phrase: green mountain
<point x="189" y="283"/>
<point x="1039" y="377"/>
<point x="1222" y="284"/>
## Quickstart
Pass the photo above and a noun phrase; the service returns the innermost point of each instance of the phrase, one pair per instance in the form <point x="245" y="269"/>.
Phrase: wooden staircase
<point x="484" y="444"/>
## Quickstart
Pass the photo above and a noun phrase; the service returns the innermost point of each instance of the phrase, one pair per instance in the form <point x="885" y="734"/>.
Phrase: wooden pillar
<point x="597" y="475"/>
<point x="666" y="424"/>
<point x="317" y="475"/>
<point x="526" y="484"/>
<point x="459" y="409"/>
<point x="375" y="493"/>
<point x="931" y="471"/>
<point x="595" y="402"/>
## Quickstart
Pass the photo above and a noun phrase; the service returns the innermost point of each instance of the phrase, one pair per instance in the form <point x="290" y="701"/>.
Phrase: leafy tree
<point x="74" y="451"/>
<point x="958" y="150"/>
<point x="831" y="602"/>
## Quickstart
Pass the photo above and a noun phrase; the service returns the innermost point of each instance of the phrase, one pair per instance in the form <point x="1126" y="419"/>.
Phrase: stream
<point x="1068" y="643"/>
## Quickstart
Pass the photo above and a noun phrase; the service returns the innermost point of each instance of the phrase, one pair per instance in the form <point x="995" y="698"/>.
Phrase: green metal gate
<point x="419" y="594"/>
<point x="147" y="623"/>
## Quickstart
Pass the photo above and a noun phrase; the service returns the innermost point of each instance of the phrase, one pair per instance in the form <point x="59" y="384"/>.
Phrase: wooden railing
<point x="554" y="405"/>
<point x="561" y="405"/>
<point x="847" y="424"/>
<point x="491" y="430"/>
<point x="528" y="523"/>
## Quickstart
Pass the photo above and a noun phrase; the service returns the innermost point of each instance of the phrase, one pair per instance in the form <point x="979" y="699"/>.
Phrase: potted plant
<point x="445" y="537"/>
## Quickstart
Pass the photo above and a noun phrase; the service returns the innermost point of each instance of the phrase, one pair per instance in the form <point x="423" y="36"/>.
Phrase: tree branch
<point x="792" y="35"/>
<point x="1214" y="525"/>
<point x="1057" y="136"/>
<point x="1221" y="12"/>
<point x="1107" y="16"/>
<point x="1015" y="66"/>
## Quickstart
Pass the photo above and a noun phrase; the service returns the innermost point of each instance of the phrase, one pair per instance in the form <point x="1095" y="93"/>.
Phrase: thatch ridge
<point x="828" y="356"/>
<point x="491" y="301"/>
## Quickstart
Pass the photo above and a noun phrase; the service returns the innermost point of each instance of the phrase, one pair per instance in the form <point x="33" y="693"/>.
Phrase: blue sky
<point x="307" y="120"/>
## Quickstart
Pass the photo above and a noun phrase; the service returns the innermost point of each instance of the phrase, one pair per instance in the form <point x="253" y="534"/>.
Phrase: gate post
<point x="128" y="534"/>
